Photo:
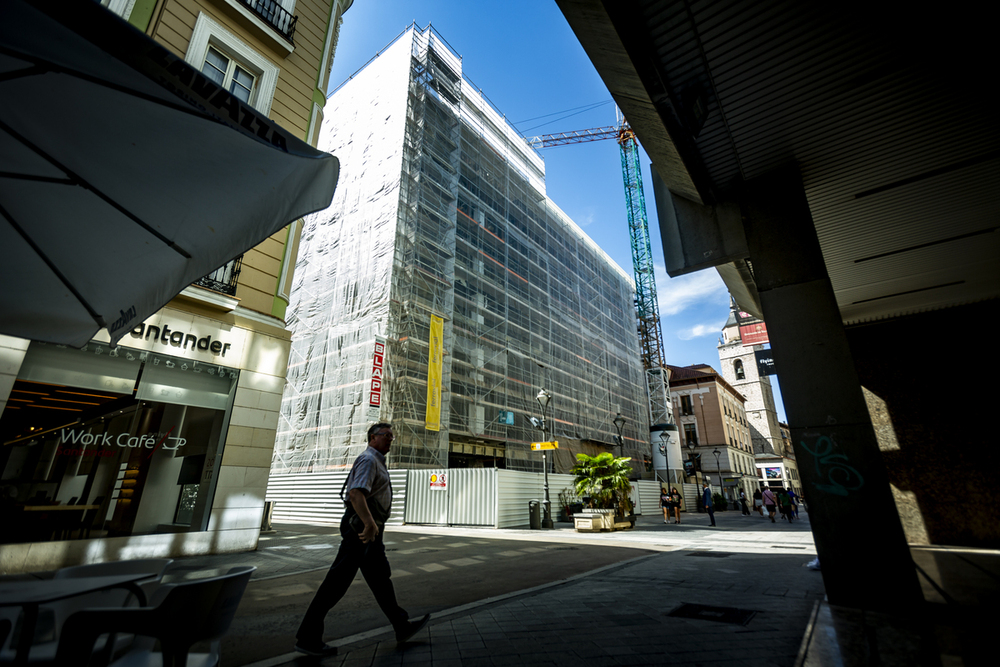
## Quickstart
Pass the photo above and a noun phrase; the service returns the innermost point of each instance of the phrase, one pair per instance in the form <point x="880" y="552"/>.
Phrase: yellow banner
<point x="432" y="419"/>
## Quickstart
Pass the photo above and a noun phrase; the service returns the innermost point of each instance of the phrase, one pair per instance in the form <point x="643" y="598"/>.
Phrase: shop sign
<point x="439" y="481"/>
<point x="180" y="339"/>
<point x="378" y="373"/>
<point x="765" y="362"/>
<point x="125" y="440"/>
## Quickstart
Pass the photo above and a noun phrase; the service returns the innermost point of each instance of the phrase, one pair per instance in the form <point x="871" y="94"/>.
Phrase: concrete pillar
<point x="863" y="551"/>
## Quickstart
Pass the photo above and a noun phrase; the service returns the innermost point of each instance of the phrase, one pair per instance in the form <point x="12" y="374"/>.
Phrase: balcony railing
<point x="223" y="279"/>
<point x="276" y="15"/>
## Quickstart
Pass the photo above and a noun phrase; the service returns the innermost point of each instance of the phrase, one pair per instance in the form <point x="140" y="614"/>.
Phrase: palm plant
<point x="605" y="479"/>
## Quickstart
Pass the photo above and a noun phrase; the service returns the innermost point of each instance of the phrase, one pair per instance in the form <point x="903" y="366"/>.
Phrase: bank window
<point x="111" y="441"/>
<point x="228" y="73"/>
<point x="686" y="407"/>
<point x="690" y="434"/>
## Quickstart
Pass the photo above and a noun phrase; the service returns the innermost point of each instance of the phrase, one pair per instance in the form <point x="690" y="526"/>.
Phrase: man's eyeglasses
<point x="386" y="434"/>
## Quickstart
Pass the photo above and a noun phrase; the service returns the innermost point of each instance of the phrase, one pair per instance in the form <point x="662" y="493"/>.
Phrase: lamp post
<point x="619" y="423"/>
<point x="663" y="450"/>
<point x="543" y="399"/>
<point x="692" y="445"/>
<point x="718" y="471"/>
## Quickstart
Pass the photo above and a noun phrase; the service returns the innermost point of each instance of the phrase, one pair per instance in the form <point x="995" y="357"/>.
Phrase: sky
<point x="526" y="60"/>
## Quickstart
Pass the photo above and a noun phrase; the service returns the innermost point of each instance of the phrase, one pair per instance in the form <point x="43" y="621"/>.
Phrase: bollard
<point x="534" y="515"/>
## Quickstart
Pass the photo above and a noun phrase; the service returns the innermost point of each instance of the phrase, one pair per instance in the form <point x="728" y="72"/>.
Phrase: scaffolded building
<point x="442" y="289"/>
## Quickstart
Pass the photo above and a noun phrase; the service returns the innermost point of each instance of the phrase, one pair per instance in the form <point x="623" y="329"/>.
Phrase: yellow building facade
<point x="161" y="445"/>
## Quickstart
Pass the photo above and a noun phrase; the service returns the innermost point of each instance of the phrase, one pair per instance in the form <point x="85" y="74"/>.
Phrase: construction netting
<point x="440" y="212"/>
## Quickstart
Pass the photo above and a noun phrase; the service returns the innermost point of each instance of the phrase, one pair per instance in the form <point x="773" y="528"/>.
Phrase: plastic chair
<point x="52" y="616"/>
<point x="180" y="615"/>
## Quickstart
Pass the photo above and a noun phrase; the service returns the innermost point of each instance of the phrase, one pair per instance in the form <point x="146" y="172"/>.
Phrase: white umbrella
<point x="126" y="175"/>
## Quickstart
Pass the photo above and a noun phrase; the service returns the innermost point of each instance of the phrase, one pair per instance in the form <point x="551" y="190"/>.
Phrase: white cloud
<point x="677" y="294"/>
<point x="587" y="217"/>
<point x="701" y="330"/>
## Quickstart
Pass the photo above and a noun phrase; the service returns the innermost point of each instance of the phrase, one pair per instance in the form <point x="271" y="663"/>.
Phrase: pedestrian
<point x="769" y="502"/>
<point x="708" y="503"/>
<point x="368" y="505"/>
<point x="784" y="505"/>
<point x="795" y="502"/>
<point x="743" y="503"/>
<point x="758" y="504"/>
<point x="665" y="503"/>
<point x="675" y="501"/>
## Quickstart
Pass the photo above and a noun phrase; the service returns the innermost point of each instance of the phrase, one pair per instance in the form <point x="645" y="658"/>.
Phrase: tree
<point x="605" y="480"/>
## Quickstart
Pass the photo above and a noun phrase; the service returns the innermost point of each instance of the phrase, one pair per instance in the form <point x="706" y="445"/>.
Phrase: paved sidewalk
<point x="604" y="617"/>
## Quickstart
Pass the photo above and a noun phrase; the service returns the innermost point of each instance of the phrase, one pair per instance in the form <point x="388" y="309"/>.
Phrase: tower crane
<point x="647" y="311"/>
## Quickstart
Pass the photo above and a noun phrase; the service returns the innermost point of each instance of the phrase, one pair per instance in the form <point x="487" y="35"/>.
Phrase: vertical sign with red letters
<point x="378" y="376"/>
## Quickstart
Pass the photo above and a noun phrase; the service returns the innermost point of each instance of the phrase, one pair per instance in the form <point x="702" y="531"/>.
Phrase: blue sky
<point x="526" y="60"/>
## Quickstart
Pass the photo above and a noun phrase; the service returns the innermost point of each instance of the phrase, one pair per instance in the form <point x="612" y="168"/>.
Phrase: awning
<point x="126" y="175"/>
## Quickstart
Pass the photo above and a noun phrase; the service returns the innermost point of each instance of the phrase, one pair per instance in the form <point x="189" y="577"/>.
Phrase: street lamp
<point x="692" y="445"/>
<point x="663" y="450"/>
<point x="619" y="423"/>
<point x="718" y="471"/>
<point x="543" y="399"/>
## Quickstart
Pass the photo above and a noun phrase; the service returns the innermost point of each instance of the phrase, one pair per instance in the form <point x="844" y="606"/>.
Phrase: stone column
<point x="863" y="551"/>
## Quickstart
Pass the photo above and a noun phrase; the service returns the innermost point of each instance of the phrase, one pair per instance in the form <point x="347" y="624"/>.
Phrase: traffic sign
<point x="538" y="446"/>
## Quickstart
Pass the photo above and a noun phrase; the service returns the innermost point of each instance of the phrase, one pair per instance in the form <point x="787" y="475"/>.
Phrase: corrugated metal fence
<point x="691" y="494"/>
<point x="314" y="498"/>
<point x="468" y="497"/>
<point x="649" y="496"/>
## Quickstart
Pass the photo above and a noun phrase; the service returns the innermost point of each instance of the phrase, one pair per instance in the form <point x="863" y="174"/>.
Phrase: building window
<point x="228" y="73"/>
<point x="277" y="14"/>
<point x="690" y="434"/>
<point x="121" y="7"/>
<point x="686" y="407"/>
<point x="224" y="279"/>
<point x="232" y="63"/>
<point x="738" y="368"/>
<point x="123" y="441"/>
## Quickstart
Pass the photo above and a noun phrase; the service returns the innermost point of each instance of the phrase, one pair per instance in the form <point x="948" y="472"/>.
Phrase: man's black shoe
<point x="404" y="632"/>
<point x="319" y="649"/>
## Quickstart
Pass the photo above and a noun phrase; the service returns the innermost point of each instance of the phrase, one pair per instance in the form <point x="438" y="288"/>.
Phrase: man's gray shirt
<point x="369" y="473"/>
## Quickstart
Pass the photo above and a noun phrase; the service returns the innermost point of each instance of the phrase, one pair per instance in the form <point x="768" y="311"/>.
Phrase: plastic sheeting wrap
<point x="340" y="293"/>
<point x="441" y="211"/>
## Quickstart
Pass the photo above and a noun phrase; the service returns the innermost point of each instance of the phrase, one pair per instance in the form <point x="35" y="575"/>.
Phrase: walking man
<point x="360" y="549"/>
<point x="708" y="503"/>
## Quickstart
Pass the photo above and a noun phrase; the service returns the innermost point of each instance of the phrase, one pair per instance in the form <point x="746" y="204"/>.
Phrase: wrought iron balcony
<point x="276" y="15"/>
<point x="224" y="278"/>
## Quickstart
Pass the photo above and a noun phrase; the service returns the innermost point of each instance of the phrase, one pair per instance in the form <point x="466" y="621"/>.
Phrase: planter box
<point x="624" y="522"/>
<point x="594" y="521"/>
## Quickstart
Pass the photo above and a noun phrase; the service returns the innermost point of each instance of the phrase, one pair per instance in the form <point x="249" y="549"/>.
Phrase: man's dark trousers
<point x="353" y="555"/>
<point x="711" y="514"/>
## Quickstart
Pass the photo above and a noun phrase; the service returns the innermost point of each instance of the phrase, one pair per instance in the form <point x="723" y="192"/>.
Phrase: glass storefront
<point x="106" y="442"/>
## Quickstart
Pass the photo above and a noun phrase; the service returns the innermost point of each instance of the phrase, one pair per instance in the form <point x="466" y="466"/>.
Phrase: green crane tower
<point x="663" y="431"/>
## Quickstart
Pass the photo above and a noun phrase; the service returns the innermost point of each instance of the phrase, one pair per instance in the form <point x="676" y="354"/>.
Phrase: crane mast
<point x="647" y="311"/>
